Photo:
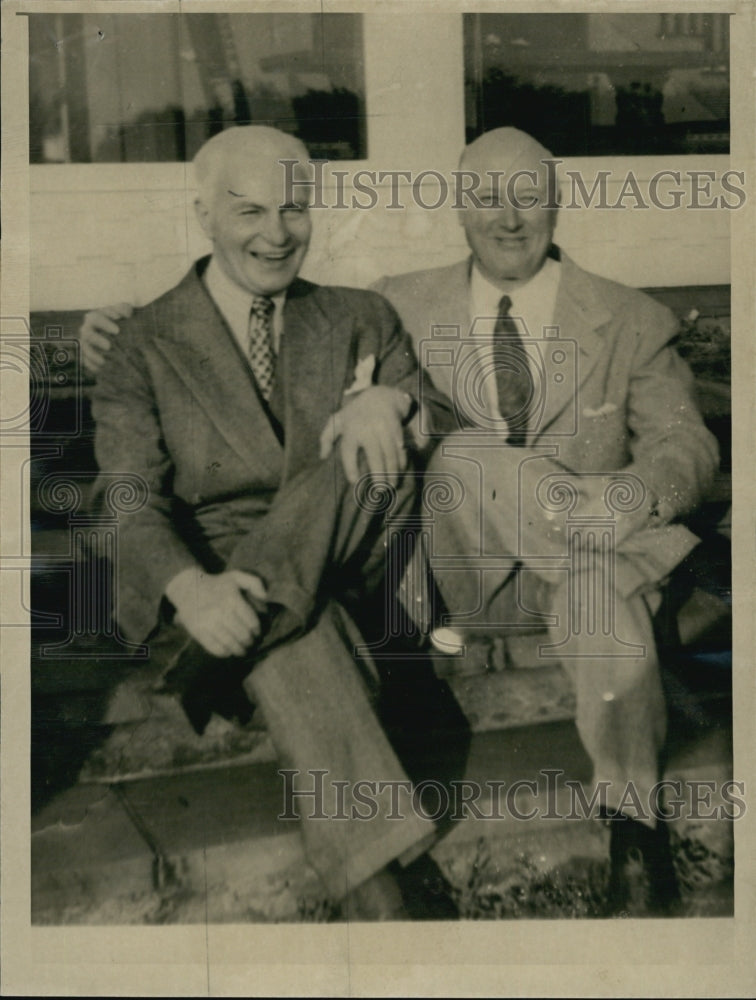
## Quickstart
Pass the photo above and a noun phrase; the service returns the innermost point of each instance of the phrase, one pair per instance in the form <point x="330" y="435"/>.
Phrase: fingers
<point x="216" y="613"/>
<point x="210" y="639"/>
<point x="374" y="455"/>
<point x="121" y="310"/>
<point x="97" y="341"/>
<point x="241" y="625"/>
<point x="243" y="621"/>
<point x="94" y="344"/>
<point x="385" y="458"/>
<point x="326" y="440"/>
<point x="223" y="636"/>
<point x="220" y="643"/>
<point x="99" y="321"/>
<point x="250" y="583"/>
<point x="349" y="450"/>
<point x="108" y="317"/>
<point x="93" y="360"/>
<point x="329" y="435"/>
<point x="396" y="456"/>
<point x="384" y="453"/>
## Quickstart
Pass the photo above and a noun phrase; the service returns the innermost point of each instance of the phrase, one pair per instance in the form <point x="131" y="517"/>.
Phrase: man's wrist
<point x="411" y="406"/>
<point x="183" y="584"/>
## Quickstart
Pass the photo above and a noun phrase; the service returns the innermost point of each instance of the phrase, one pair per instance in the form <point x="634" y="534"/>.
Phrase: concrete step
<point x="208" y="845"/>
<point x="148" y="734"/>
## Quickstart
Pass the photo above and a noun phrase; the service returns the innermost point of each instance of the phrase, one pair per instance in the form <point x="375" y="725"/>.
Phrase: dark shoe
<point x="426" y="892"/>
<point x="642" y="880"/>
<point x="206" y="684"/>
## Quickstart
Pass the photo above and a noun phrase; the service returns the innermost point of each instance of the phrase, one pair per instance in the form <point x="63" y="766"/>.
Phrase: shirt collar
<point x="536" y="297"/>
<point x="235" y="302"/>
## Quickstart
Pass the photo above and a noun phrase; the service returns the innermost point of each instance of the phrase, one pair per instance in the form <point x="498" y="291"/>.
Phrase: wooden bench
<point x="78" y="690"/>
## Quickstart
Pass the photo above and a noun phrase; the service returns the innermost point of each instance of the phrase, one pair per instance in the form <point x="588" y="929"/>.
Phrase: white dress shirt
<point x="235" y="304"/>
<point x="532" y="308"/>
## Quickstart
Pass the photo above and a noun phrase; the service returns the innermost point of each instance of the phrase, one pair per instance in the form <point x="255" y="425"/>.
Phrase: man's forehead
<point x="507" y="150"/>
<point x="251" y="177"/>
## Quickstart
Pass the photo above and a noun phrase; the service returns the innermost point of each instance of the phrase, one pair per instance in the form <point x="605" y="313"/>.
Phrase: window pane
<point x="601" y="84"/>
<point x="143" y="87"/>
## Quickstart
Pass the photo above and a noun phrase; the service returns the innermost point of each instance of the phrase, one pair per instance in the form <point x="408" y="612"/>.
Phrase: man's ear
<point x="203" y="217"/>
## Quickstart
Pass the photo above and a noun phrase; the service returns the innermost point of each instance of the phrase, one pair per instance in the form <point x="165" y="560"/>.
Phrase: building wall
<point x="107" y="232"/>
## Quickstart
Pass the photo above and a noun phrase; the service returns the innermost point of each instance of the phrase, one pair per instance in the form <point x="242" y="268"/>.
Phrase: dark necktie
<point x="262" y="360"/>
<point x="514" y="382"/>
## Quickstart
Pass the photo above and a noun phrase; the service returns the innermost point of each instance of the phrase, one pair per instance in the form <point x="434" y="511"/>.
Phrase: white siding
<point x="107" y="232"/>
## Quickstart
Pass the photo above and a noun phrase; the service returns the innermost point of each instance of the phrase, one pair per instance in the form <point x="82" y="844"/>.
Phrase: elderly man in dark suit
<point x="217" y="394"/>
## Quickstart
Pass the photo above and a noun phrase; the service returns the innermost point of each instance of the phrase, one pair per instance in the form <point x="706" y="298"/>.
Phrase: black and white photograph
<point x="378" y="534"/>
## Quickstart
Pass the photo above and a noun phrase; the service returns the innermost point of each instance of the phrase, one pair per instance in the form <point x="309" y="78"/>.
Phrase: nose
<point x="275" y="231"/>
<point x="508" y="217"/>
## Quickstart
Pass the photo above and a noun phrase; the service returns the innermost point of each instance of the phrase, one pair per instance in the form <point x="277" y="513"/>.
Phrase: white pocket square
<point x="363" y="375"/>
<point x="603" y="411"/>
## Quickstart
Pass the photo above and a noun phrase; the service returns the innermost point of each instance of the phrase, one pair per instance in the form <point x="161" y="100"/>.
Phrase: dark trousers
<point x="321" y="543"/>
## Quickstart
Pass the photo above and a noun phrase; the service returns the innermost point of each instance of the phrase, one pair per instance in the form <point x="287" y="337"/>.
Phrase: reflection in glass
<point x="601" y="84"/>
<point x="144" y="87"/>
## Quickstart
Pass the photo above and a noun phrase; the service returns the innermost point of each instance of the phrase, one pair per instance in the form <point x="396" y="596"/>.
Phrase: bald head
<point x="252" y="148"/>
<point x="508" y="148"/>
<point x="510" y="224"/>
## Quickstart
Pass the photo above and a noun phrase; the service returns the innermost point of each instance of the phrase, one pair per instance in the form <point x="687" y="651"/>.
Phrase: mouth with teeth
<point x="272" y="259"/>
<point x="510" y="241"/>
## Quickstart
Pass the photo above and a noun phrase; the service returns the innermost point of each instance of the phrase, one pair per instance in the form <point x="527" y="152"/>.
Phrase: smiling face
<point x="259" y="239"/>
<point x="509" y="241"/>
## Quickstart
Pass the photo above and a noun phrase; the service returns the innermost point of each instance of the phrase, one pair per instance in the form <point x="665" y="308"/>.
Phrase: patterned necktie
<point x="262" y="360"/>
<point x="514" y="382"/>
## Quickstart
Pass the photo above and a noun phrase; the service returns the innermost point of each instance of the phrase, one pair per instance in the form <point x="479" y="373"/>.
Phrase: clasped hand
<point x="214" y="611"/>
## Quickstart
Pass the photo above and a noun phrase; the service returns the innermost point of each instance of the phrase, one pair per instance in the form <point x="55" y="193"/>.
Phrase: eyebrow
<point x="245" y="201"/>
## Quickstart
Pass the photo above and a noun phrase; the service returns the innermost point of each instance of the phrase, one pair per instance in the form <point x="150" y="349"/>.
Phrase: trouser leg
<point x="489" y="524"/>
<point x="317" y="700"/>
<point x="322" y="722"/>
<point x="318" y="538"/>
<point x="620" y="706"/>
<point x="320" y="535"/>
<point x="504" y="559"/>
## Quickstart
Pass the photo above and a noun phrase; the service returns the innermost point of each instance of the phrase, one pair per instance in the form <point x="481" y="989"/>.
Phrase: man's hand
<point x="93" y="334"/>
<point x="213" y="610"/>
<point x="371" y="423"/>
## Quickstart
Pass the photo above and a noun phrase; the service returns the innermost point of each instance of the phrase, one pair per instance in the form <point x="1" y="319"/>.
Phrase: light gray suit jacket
<point x="630" y="403"/>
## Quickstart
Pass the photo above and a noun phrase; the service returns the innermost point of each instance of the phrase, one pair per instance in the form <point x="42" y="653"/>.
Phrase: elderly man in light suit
<point x="253" y="536"/>
<point x="580" y="447"/>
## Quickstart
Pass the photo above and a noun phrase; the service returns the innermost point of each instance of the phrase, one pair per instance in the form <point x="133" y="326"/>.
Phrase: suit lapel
<point x="450" y="314"/>
<point x="579" y="315"/>
<point x="314" y="362"/>
<point x="198" y="345"/>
